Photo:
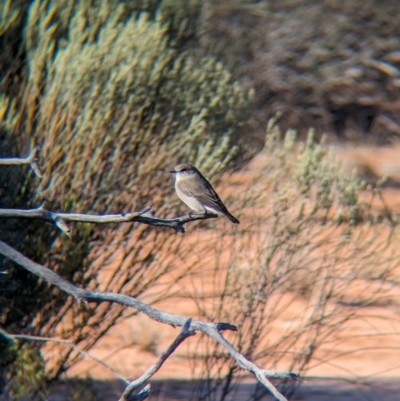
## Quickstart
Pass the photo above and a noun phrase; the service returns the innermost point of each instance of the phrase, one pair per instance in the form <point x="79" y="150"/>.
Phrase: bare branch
<point x="132" y="386"/>
<point x="31" y="159"/>
<point x="176" y="223"/>
<point x="7" y="336"/>
<point x="185" y="333"/>
<point x="143" y="216"/>
<point x="143" y="394"/>
<point x="61" y="219"/>
<point x="211" y="329"/>
<point x="272" y="374"/>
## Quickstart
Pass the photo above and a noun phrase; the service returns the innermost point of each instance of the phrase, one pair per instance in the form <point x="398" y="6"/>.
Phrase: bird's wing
<point x="205" y="194"/>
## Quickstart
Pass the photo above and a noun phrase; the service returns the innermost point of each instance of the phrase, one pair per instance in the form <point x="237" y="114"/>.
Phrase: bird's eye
<point x="184" y="169"/>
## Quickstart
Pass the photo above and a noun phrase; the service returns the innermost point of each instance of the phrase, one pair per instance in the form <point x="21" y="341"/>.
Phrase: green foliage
<point x="317" y="173"/>
<point x="81" y="389"/>
<point x="114" y="95"/>
<point x="8" y="350"/>
<point x="318" y="166"/>
<point x="115" y="100"/>
<point x="29" y="377"/>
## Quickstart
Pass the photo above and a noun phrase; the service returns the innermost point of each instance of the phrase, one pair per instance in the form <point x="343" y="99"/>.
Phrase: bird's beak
<point x="173" y="171"/>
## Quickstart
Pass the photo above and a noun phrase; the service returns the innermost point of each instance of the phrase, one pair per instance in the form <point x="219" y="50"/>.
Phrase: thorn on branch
<point x="180" y="229"/>
<point x="81" y="302"/>
<point x="34" y="165"/>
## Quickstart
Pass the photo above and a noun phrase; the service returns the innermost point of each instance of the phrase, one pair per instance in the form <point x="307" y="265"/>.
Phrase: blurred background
<point x="291" y="109"/>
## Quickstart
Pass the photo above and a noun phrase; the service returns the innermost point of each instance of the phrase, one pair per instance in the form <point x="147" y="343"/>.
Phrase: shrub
<point x="307" y="261"/>
<point x="339" y="75"/>
<point x="114" y="99"/>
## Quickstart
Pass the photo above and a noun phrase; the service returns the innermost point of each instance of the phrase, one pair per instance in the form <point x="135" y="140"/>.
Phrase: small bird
<point x="194" y="190"/>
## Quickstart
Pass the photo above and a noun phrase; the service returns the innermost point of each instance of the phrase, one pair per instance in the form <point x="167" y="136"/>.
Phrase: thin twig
<point x="132" y="386"/>
<point x="66" y="342"/>
<point x="182" y="336"/>
<point x="61" y="219"/>
<point x="31" y="159"/>
<point x="211" y="329"/>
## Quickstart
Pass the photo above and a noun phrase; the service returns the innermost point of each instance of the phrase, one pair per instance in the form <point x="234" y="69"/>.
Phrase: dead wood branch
<point x="61" y="220"/>
<point x="176" y="223"/>
<point x="31" y="159"/>
<point x="142" y="394"/>
<point x="211" y="329"/>
<point x="133" y="385"/>
<point x="182" y="336"/>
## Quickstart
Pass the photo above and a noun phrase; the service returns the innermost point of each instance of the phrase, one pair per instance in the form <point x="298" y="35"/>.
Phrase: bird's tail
<point x="234" y="220"/>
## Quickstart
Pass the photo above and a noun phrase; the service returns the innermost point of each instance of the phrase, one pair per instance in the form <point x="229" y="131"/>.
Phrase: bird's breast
<point x="191" y="201"/>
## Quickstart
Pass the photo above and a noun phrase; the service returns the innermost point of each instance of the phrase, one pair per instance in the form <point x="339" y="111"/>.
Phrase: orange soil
<point x="133" y="344"/>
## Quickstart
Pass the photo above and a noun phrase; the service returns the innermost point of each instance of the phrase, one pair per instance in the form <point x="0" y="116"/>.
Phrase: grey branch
<point x="31" y="159"/>
<point x="132" y="386"/>
<point x="211" y="329"/>
<point x="142" y="394"/>
<point x="61" y="220"/>
<point x="182" y="336"/>
<point x="176" y="223"/>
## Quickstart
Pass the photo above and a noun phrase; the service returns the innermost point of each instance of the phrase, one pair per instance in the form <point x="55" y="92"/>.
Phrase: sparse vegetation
<point x="338" y="74"/>
<point x="114" y="94"/>
<point x="114" y="99"/>
<point x="311" y="244"/>
<point x="28" y="375"/>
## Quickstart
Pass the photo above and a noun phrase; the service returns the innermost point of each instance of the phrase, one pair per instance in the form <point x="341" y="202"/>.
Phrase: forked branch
<point x="31" y="159"/>
<point x="61" y="220"/>
<point x="144" y="216"/>
<point x="128" y="394"/>
<point x="182" y="336"/>
<point x="211" y="329"/>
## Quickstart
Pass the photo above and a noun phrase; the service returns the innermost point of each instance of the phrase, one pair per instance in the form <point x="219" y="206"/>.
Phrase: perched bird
<point x="194" y="190"/>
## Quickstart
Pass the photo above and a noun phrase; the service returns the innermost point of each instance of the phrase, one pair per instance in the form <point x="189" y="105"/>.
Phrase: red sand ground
<point x="379" y="356"/>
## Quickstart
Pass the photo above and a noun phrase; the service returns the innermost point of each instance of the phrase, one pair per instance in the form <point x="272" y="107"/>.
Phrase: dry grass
<point x="326" y="64"/>
<point x="144" y="106"/>
<point x="307" y="243"/>
<point x="115" y="100"/>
